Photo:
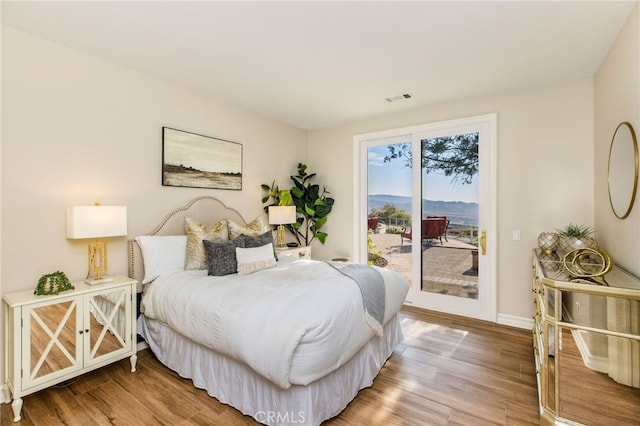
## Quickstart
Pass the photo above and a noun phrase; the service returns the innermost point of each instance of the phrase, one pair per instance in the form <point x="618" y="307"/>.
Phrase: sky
<point x="201" y="152"/>
<point x="395" y="179"/>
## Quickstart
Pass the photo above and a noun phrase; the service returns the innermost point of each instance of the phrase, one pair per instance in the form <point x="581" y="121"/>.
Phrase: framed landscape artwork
<point x="198" y="161"/>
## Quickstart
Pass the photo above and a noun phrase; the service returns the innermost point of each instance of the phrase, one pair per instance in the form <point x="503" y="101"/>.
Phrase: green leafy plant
<point x="372" y="252"/>
<point x="374" y="257"/>
<point x="281" y="197"/>
<point x="313" y="205"/>
<point x="393" y="230"/>
<point x="389" y="210"/>
<point x="575" y="231"/>
<point x="53" y="283"/>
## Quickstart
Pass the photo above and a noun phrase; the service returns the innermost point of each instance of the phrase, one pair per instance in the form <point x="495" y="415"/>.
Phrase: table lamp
<point x="96" y="222"/>
<point x="281" y="215"/>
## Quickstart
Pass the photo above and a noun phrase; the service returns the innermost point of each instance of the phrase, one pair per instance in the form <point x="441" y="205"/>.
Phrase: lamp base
<point x="96" y="281"/>
<point x="280" y="239"/>
<point x="97" y="263"/>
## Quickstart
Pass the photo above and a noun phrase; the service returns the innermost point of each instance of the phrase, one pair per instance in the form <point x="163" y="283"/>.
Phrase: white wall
<point x="77" y="130"/>
<point x="545" y="173"/>
<point x="617" y="99"/>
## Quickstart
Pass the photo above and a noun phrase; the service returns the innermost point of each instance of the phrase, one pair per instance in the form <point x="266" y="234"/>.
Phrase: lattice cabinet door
<point x="107" y="324"/>
<point x="51" y="343"/>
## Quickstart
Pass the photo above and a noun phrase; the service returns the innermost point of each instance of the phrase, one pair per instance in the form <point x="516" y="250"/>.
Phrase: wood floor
<point x="448" y="371"/>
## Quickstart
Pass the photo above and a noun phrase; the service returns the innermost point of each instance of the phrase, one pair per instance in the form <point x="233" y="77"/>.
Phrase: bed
<point x="290" y="341"/>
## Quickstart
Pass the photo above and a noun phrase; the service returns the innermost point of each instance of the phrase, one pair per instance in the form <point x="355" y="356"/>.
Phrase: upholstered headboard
<point x="205" y="210"/>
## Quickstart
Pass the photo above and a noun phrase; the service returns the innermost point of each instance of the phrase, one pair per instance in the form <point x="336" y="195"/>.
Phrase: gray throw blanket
<point x="371" y="285"/>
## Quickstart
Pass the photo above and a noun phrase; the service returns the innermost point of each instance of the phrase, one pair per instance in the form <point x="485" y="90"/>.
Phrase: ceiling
<point x="319" y="64"/>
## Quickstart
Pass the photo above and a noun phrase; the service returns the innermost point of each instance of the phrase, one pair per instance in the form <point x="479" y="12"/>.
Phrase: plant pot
<point x="548" y="242"/>
<point x="571" y="243"/>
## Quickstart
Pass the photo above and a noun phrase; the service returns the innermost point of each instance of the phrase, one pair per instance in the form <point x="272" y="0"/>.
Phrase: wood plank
<point x="448" y="371"/>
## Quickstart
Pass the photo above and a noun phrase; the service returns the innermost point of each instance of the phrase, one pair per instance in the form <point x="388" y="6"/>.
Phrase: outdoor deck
<point x="447" y="267"/>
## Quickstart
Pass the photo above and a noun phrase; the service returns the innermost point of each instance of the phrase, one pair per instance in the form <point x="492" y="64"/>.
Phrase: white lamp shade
<point x="96" y="221"/>
<point x="282" y="215"/>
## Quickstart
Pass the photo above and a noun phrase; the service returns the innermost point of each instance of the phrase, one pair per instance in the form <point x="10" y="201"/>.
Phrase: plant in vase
<point x="313" y="205"/>
<point x="576" y="236"/>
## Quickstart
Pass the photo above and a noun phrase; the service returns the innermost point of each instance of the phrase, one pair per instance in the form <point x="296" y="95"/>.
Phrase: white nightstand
<point x="53" y="338"/>
<point x="303" y="252"/>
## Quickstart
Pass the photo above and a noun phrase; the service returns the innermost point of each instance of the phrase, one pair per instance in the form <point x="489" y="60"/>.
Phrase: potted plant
<point x="312" y="206"/>
<point x="281" y="197"/>
<point x="53" y="283"/>
<point x="576" y="236"/>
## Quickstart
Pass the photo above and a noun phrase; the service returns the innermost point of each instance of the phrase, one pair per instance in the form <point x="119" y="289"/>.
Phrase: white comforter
<point x="292" y="324"/>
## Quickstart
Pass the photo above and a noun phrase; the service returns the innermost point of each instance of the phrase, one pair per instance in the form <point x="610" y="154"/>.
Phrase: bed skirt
<point x="234" y="383"/>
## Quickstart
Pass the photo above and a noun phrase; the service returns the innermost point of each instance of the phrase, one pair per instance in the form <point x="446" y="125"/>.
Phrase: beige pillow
<point x="253" y="229"/>
<point x="196" y="232"/>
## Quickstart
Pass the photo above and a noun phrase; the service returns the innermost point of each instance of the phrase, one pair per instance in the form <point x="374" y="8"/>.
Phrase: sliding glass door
<point x="429" y="203"/>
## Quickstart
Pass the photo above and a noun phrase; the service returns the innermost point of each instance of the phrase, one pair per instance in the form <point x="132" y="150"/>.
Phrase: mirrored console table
<point x="52" y="338"/>
<point x="602" y="323"/>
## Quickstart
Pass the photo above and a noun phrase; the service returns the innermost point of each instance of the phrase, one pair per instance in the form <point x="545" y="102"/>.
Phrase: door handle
<point x="483" y="242"/>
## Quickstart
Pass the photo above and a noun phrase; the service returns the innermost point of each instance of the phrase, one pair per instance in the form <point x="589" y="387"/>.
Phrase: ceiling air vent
<point x="398" y="97"/>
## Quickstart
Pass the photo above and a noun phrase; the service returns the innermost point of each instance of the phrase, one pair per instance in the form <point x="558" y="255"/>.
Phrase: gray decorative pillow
<point x="221" y="256"/>
<point x="248" y="241"/>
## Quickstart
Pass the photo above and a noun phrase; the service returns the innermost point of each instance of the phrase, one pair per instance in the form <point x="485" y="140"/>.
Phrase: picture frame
<point x="197" y="161"/>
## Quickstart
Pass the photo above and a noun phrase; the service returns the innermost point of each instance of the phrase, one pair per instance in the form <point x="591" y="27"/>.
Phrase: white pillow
<point x="255" y="259"/>
<point x="162" y="253"/>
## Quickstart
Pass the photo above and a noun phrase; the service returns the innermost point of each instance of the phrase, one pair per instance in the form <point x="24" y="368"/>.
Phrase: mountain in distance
<point x="460" y="212"/>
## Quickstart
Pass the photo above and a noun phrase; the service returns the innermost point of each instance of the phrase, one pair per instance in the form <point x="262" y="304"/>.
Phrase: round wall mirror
<point x="623" y="170"/>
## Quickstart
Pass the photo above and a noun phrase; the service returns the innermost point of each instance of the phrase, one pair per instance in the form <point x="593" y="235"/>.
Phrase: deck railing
<point x="459" y="231"/>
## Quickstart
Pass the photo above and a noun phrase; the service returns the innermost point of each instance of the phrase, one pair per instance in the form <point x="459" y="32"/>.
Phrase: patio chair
<point x="433" y="228"/>
<point x="444" y="224"/>
<point x="372" y="223"/>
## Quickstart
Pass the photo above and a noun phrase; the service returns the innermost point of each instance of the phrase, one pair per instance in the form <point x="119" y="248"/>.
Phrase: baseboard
<point x="513" y="321"/>
<point x="503" y="319"/>
<point x="142" y="345"/>
<point x="5" y="398"/>
<point x="596" y="363"/>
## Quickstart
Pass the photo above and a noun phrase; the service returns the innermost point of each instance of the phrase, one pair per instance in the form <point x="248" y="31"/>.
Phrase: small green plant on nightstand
<point x="53" y="283"/>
